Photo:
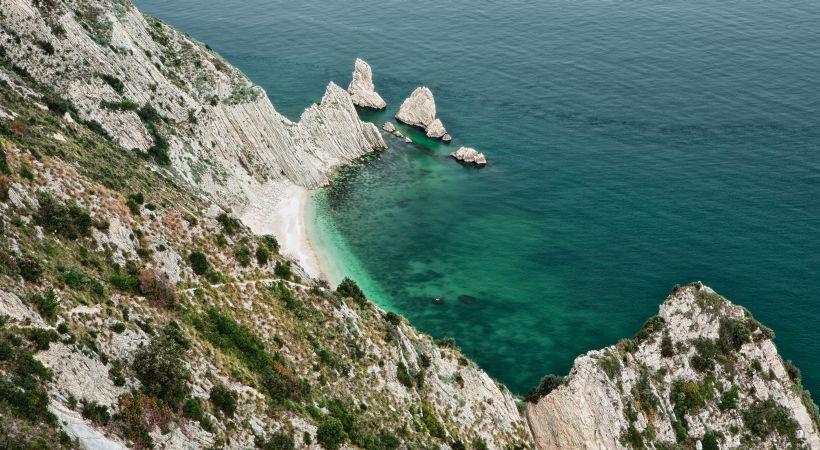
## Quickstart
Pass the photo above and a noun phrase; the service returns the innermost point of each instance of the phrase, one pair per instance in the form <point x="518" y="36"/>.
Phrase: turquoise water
<point x="633" y="145"/>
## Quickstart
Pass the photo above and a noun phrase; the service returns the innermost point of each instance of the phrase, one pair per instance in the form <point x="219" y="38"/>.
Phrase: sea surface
<point x="633" y="145"/>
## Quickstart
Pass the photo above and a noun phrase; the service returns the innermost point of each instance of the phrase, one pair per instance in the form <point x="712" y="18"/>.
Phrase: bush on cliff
<point x="548" y="384"/>
<point x="199" y="263"/>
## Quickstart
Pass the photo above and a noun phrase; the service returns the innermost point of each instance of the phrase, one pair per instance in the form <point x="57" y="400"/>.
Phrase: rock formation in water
<point x="361" y="87"/>
<point x="420" y="110"/>
<point x="469" y="155"/>
<point x="390" y="128"/>
<point x="701" y="374"/>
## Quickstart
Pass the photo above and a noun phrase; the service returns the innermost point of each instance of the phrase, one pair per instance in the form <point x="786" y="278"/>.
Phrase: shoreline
<point x="283" y="211"/>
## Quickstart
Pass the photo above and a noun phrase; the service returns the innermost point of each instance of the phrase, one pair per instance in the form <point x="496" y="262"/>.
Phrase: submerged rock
<point x="361" y="88"/>
<point x="390" y="128"/>
<point x="467" y="299"/>
<point x="469" y="155"/>
<point x="420" y="110"/>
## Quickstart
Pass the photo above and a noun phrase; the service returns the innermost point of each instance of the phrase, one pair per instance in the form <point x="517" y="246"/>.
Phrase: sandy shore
<point x="282" y="210"/>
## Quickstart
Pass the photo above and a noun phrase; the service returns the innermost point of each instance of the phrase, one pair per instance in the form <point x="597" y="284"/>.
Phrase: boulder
<point x="361" y="88"/>
<point x="469" y="155"/>
<point x="420" y="110"/>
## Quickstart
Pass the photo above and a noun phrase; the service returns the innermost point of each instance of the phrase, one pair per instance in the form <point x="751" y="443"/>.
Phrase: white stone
<point x="361" y="88"/>
<point x="420" y="110"/>
<point x="469" y="155"/>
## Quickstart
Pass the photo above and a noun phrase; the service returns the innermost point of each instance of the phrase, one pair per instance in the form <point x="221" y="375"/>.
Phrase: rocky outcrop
<point x="361" y="87"/>
<point x="469" y="155"/>
<point x="390" y="128"/>
<point x="420" y="110"/>
<point x="701" y="372"/>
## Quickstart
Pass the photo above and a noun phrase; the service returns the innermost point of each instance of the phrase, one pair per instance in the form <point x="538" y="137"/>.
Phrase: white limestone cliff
<point x="223" y="132"/>
<point x="622" y="395"/>
<point x="420" y="110"/>
<point x="361" y="87"/>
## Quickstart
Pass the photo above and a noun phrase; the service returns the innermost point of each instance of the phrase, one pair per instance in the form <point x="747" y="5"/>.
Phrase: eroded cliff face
<point x="221" y="132"/>
<point x="136" y="313"/>
<point x="702" y="373"/>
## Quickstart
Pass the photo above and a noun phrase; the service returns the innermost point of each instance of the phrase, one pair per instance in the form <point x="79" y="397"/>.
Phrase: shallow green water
<point x="633" y="145"/>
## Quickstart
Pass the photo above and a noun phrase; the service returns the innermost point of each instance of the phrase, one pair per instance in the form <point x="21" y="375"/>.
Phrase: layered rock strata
<point x="361" y="88"/>
<point x="420" y="110"/>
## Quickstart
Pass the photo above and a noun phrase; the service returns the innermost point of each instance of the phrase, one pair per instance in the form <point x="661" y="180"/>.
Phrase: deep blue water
<point x="633" y="145"/>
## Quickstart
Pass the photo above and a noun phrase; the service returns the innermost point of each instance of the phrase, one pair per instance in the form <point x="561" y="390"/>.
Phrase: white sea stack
<point x="446" y="138"/>
<point x="389" y="127"/>
<point x="361" y="89"/>
<point x="469" y="155"/>
<point x="420" y="110"/>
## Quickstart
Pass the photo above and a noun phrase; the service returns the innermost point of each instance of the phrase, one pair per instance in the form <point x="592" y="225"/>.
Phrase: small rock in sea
<point x="467" y="299"/>
<point x="390" y="128"/>
<point x="361" y="88"/>
<point x="447" y="138"/>
<point x="438" y="301"/>
<point x="419" y="110"/>
<point x="469" y="155"/>
<point x="408" y="140"/>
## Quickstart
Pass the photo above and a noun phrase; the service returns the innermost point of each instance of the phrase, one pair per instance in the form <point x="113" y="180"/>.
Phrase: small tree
<point x="160" y="366"/>
<point x="547" y="385"/>
<point x="157" y="288"/>
<point x="349" y="289"/>
<point x="282" y="269"/>
<point x="243" y="256"/>
<point x="224" y="399"/>
<point x="331" y="433"/>
<point x="262" y="255"/>
<point x="199" y="263"/>
<point x="271" y="243"/>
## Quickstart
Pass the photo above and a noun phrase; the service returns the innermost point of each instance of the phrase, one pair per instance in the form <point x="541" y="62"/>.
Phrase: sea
<point x="632" y="145"/>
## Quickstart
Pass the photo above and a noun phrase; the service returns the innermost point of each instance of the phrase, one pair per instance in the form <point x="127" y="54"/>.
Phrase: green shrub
<point x="192" y="409"/>
<point x="118" y="327"/>
<point x="733" y="333"/>
<point x="226" y="334"/>
<point x="161" y="368"/>
<point x="704" y="358"/>
<point x="610" y="363"/>
<point x="243" y="256"/>
<point x="393" y="318"/>
<point x="114" y="82"/>
<point x="4" y="164"/>
<point x="331" y="434"/>
<point x="230" y="225"/>
<point x="767" y="416"/>
<point x="282" y="269"/>
<point x="711" y="441"/>
<point x="548" y="384"/>
<point x="42" y="337"/>
<point x="430" y="421"/>
<point x="224" y="399"/>
<point x="729" y="399"/>
<point x="157" y="288"/>
<point x="349" y="289"/>
<point x="95" y="412"/>
<point x="667" y="349"/>
<point x="199" y="263"/>
<point x="69" y="221"/>
<point x="125" y="282"/>
<point x="134" y="201"/>
<point x="80" y="281"/>
<point x="262" y="256"/>
<point x="271" y="243"/>
<point x="30" y="268"/>
<point x="47" y="304"/>
<point x="403" y="375"/>
<point x="650" y="327"/>
<point x="277" y="441"/>
<point x="26" y="171"/>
